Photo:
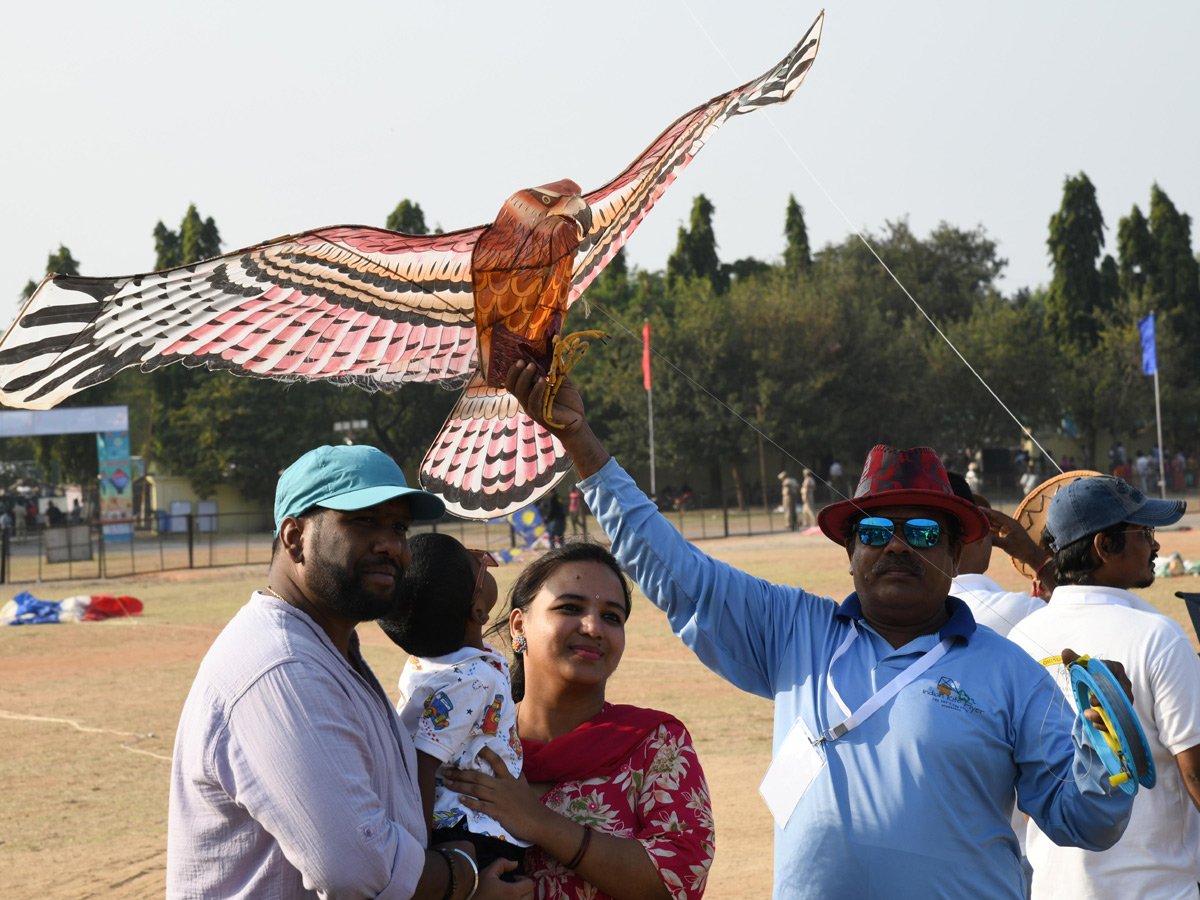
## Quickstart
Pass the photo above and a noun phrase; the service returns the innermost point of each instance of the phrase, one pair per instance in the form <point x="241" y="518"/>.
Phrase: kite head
<point x="549" y="208"/>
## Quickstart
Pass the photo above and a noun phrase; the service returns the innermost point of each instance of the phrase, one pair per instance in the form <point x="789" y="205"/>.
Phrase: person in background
<point x="1102" y="533"/>
<point x="1029" y="480"/>
<point x="575" y="509"/>
<point x="808" y="495"/>
<point x="555" y="517"/>
<point x="791" y="496"/>
<point x="990" y="604"/>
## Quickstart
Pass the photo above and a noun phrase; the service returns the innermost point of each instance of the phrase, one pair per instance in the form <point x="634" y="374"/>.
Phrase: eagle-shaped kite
<point x="379" y="309"/>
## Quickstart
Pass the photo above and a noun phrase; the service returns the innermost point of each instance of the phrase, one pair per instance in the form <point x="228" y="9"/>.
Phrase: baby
<point x="454" y="692"/>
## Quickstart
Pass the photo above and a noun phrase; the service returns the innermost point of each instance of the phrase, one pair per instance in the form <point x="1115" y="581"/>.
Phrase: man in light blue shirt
<point x="926" y="724"/>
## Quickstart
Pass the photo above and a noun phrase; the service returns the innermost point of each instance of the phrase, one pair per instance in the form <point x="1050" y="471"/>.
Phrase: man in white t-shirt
<point x="991" y="605"/>
<point x="1102" y="533"/>
<point x="1029" y="480"/>
<point x="1142" y="466"/>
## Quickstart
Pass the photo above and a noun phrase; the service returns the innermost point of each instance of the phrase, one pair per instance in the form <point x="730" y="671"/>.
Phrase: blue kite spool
<point x="1123" y="750"/>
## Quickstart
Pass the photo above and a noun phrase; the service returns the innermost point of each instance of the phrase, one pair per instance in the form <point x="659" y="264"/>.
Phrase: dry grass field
<point x="88" y="716"/>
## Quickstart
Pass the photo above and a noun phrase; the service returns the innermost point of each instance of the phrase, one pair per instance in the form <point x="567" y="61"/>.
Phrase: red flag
<point x="646" y="354"/>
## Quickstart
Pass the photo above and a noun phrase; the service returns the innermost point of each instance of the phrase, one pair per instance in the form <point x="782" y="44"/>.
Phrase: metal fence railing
<point x="167" y="542"/>
<point x="195" y="541"/>
<point x="171" y="542"/>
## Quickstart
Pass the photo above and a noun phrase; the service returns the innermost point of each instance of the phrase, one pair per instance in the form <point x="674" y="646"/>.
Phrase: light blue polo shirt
<point x="915" y="802"/>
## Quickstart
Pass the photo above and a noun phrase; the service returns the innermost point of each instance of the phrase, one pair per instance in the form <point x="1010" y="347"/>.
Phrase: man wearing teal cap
<point x="292" y="776"/>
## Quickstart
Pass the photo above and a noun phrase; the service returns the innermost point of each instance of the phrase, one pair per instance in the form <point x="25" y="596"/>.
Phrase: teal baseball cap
<point x="347" y="477"/>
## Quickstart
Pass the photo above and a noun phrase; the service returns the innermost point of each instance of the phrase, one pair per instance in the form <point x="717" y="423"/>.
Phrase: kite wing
<point x="347" y="304"/>
<point x="491" y="459"/>
<point x="619" y="206"/>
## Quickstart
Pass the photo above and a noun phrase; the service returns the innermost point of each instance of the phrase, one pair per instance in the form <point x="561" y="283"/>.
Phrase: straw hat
<point x="1031" y="514"/>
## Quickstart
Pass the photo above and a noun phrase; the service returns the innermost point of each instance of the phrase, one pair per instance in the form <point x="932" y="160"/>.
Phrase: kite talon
<point x="566" y="352"/>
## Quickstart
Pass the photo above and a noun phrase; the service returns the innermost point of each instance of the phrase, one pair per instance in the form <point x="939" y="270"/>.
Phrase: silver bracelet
<point x="474" y="871"/>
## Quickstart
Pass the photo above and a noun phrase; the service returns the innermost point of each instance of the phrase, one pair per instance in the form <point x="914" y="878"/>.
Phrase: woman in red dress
<point x="613" y="796"/>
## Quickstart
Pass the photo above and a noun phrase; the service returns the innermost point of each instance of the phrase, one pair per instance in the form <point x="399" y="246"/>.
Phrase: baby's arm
<point x="427" y="767"/>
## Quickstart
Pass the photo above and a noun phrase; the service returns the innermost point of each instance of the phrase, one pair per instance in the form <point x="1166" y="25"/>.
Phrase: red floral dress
<point x="656" y="794"/>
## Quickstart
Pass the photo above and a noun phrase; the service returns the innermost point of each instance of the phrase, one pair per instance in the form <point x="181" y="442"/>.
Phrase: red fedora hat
<point x="913" y="477"/>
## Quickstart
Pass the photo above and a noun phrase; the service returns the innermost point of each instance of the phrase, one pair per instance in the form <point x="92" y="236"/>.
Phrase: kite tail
<point x="490" y="459"/>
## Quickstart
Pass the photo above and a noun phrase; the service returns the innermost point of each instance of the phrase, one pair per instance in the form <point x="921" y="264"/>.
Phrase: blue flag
<point x="1149" y="353"/>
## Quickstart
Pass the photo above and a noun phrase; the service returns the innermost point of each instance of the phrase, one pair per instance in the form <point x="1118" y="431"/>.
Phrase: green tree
<point x="999" y="338"/>
<point x="1135" y="250"/>
<point x="58" y="263"/>
<point x="408" y="218"/>
<point x="172" y="388"/>
<point x="196" y="239"/>
<point x="695" y="253"/>
<point x="796" y="255"/>
<point x="1175" y="277"/>
<point x="1076" y="241"/>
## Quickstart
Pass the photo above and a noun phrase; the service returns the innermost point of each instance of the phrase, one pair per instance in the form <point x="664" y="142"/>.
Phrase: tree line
<point x="820" y="350"/>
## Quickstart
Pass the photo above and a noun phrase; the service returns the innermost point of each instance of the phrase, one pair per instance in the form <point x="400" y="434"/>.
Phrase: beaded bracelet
<point x="583" y="846"/>
<point x="445" y="854"/>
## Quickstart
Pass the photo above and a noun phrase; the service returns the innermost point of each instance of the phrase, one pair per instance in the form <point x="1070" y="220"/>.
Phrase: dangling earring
<point x="519" y="644"/>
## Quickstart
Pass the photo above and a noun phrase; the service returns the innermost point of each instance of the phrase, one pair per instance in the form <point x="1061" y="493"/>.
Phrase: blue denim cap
<point x="1087" y="506"/>
<point x="347" y="477"/>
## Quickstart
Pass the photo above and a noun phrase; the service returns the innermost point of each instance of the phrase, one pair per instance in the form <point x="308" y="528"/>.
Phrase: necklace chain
<point x="271" y="591"/>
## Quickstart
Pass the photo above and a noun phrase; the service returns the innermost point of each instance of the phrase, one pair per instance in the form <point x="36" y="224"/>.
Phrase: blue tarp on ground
<point x="32" y="611"/>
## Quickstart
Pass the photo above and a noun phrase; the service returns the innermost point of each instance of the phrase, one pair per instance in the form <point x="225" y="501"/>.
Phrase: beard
<point x="342" y="592"/>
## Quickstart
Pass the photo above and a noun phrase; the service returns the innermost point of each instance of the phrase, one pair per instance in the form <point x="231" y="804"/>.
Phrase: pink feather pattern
<point x="358" y="306"/>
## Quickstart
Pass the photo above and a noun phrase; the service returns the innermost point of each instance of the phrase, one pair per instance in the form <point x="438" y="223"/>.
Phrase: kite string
<point x="767" y="438"/>
<point x="1062" y="680"/>
<point x="866" y="243"/>
<point x="1024" y="429"/>
<point x="912" y="299"/>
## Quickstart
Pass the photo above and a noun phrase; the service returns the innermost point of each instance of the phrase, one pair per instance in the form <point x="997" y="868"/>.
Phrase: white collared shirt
<point x="1157" y="857"/>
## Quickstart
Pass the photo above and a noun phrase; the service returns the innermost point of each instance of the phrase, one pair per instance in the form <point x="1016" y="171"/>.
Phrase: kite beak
<point x="583" y="220"/>
<point x="580" y="213"/>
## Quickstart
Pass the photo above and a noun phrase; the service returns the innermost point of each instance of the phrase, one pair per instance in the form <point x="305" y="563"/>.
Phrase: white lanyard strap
<point x="882" y="696"/>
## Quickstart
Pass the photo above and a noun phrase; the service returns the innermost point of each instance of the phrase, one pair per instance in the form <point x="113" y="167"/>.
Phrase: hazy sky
<point x="278" y="117"/>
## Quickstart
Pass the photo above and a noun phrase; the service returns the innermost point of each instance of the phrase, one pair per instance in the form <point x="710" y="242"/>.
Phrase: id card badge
<point x="793" y="769"/>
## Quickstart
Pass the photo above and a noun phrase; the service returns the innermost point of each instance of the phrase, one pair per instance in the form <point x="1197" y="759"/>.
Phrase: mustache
<point x="903" y="563"/>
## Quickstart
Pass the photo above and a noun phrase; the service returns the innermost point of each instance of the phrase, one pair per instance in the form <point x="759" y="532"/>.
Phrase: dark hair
<point x="1074" y="563"/>
<point x="521" y="595"/>
<point x="435" y="597"/>
<point x="958" y="484"/>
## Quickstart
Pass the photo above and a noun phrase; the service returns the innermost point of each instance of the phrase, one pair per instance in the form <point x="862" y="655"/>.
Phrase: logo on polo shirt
<point x="951" y="695"/>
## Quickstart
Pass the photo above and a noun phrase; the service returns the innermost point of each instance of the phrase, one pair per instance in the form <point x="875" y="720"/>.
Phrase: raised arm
<point x="736" y="624"/>
<point x="528" y="385"/>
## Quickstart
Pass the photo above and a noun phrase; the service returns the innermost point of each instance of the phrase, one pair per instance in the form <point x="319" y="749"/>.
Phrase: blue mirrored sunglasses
<point x="919" y="533"/>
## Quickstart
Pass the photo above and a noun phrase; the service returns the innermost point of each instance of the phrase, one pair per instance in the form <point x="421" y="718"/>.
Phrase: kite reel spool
<point x="1123" y="748"/>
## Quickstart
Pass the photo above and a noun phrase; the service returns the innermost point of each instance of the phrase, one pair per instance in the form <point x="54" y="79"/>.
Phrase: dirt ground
<point x="89" y="715"/>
